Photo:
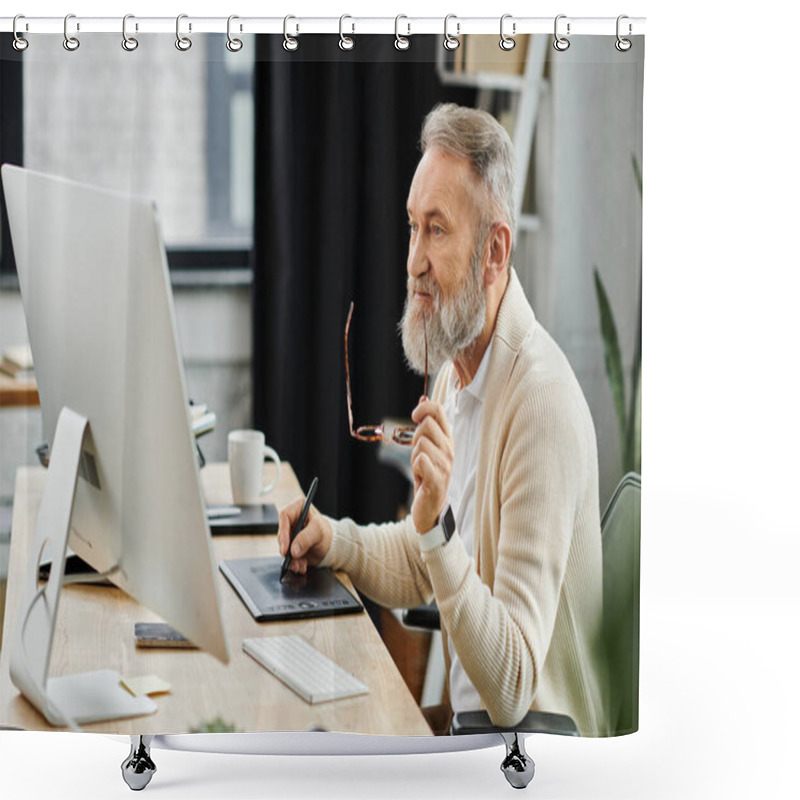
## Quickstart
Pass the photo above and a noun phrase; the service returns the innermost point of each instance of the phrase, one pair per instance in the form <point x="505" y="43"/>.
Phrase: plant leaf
<point x="632" y="460"/>
<point x="216" y="725"/>
<point x="638" y="173"/>
<point x="633" y="450"/>
<point x="613" y="357"/>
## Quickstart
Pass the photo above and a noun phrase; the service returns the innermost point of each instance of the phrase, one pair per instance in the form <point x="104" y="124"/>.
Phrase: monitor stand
<point x="72" y="699"/>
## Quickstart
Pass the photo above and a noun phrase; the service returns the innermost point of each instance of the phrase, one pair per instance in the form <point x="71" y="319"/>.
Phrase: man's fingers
<point x="299" y="567"/>
<point x="436" y="456"/>
<point x="432" y="439"/>
<point x="306" y="539"/>
<point x="430" y="430"/>
<point x="427" y="408"/>
<point x="284" y="525"/>
<point x="286" y="520"/>
<point x="311" y="544"/>
<point x="423" y="468"/>
<point x="432" y="424"/>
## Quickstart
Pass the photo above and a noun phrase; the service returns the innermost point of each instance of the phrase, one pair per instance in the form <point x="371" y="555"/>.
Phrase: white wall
<point x="215" y="332"/>
<point x="590" y="215"/>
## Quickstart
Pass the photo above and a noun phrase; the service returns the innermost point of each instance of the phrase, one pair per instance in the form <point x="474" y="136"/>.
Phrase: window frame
<point x="179" y="259"/>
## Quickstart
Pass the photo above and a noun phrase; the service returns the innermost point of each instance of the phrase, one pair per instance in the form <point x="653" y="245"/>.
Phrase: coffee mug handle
<point x="275" y="458"/>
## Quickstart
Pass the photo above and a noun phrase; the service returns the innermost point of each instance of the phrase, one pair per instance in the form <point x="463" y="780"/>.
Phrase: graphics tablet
<point x="316" y="594"/>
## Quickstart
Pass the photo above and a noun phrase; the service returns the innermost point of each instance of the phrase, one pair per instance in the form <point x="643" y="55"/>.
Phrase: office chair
<point x="620" y="530"/>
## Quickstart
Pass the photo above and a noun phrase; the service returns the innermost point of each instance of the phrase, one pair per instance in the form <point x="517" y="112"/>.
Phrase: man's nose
<point x="417" y="259"/>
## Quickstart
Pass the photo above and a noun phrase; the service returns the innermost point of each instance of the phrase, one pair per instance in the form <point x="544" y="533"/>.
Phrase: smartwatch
<point x="440" y="533"/>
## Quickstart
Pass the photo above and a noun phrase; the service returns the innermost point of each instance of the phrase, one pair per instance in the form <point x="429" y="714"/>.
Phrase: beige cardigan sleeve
<point x="502" y="636"/>
<point x="383" y="561"/>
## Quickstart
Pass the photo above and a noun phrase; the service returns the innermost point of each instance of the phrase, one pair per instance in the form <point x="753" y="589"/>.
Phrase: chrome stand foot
<point x="138" y="768"/>
<point x="518" y="766"/>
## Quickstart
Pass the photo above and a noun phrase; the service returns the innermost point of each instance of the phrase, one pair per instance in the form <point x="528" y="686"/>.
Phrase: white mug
<point x="246" y="454"/>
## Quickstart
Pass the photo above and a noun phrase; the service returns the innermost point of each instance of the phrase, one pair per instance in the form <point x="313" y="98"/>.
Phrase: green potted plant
<point x="629" y="411"/>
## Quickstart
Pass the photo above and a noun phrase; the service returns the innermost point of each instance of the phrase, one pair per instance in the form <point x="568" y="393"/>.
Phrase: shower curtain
<point x="288" y="183"/>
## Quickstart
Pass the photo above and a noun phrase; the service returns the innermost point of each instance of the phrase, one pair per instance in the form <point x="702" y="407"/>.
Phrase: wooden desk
<point x="95" y="630"/>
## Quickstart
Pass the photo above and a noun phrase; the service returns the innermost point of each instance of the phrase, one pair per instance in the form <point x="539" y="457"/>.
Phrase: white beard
<point x="452" y="326"/>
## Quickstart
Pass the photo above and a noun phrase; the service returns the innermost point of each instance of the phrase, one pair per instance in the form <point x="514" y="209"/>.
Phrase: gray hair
<point x="478" y="137"/>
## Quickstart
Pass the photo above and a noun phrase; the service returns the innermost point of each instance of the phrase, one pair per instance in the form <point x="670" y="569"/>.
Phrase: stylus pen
<point x="301" y="523"/>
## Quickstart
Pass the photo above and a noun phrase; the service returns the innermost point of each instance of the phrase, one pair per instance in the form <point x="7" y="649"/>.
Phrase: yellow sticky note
<point x="145" y="684"/>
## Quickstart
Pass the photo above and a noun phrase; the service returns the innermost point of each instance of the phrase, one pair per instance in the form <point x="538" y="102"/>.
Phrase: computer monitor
<point x="101" y="322"/>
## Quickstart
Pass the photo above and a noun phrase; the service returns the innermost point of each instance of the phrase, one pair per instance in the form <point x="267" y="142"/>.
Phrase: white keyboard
<point x="303" y="669"/>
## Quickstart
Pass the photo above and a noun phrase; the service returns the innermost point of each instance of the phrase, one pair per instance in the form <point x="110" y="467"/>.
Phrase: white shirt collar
<point x="477" y="386"/>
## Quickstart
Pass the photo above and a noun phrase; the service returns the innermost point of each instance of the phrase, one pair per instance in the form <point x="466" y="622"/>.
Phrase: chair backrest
<point x="621" y="526"/>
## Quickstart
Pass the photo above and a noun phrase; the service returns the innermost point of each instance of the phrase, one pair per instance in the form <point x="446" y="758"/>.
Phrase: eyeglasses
<point x="402" y="434"/>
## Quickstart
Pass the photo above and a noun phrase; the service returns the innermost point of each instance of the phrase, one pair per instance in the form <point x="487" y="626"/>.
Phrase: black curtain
<point x="336" y="147"/>
<point x="10" y="136"/>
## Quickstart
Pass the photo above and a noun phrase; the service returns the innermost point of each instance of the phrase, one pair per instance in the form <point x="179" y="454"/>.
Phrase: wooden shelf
<point x="17" y="394"/>
<point x="484" y="80"/>
<point x="525" y="90"/>
<point x="528" y="223"/>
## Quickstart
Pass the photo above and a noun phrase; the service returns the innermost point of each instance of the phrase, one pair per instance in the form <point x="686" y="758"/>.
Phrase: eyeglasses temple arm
<point x="425" y="332"/>
<point x="347" y="372"/>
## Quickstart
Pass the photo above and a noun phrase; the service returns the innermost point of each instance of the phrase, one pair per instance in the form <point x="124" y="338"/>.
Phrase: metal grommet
<point x="346" y="42"/>
<point x="506" y="42"/>
<point x="401" y="42"/>
<point x="19" y="43"/>
<point x="623" y="45"/>
<point x="183" y="43"/>
<point x="451" y="42"/>
<point x="70" y="42"/>
<point x="289" y="43"/>
<point x="560" y="43"/>
<point x="129" y="43"/>
<point x="234" y="45"/>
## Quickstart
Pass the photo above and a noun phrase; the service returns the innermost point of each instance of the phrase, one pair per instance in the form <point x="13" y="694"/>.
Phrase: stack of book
<point x="17" y="362"/>
<point x="203" y="420"/>
<point x="481" y="53"/>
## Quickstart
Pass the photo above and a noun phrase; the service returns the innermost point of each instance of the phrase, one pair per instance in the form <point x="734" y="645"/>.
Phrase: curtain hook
<point x="623" y="45"/>
<point x="234" y="45"/>
<point x="346" y="42"/>
<point x="129" y="43"/>
<point x="401" y="42"/>
<point x="183" y="43"/>
<point x="506" y="42"/>
<point x="19" y="43"/>
<point x="289" y="42"/>
<point x="561" y="43"/>
<point x="70" y="42"/>
<point x="451" y="42"/>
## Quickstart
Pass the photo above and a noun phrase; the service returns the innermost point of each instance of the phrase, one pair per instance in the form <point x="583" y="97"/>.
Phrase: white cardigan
<point x="525" y="615"/>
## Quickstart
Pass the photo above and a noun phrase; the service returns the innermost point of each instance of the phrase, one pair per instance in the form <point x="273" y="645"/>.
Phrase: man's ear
<point x="497" y="252"/>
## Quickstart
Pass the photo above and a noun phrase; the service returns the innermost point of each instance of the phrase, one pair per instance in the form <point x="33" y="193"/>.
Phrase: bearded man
<point x="504" y="531"/>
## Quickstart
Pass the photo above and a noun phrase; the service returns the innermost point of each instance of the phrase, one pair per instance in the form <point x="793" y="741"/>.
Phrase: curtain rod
<point x="456" y="26"/>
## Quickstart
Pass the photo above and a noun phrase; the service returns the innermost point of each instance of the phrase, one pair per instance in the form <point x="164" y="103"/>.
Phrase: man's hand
<point x="431" y="462"/>
<point x="311" y="544"/>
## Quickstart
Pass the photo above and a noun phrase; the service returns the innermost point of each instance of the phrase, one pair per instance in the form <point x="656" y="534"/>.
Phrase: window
<point x="156" y="122"/>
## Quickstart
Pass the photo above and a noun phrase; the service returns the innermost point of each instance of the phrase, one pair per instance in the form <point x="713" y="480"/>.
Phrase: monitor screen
<point x="101" y="322"/>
